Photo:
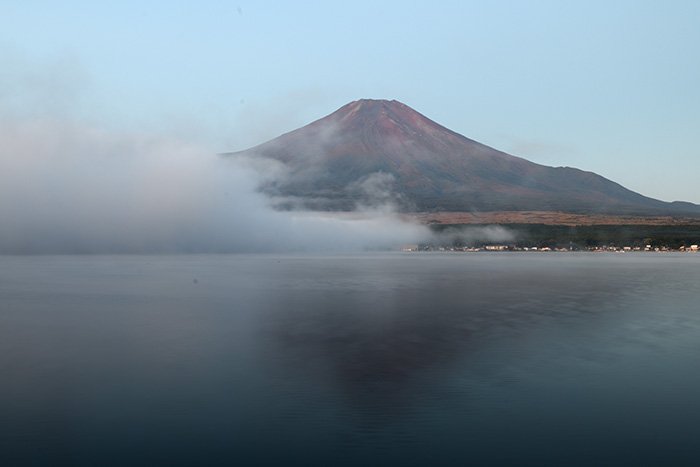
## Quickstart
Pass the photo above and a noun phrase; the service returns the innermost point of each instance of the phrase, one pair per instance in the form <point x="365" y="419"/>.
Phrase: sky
<point x="610" y="87"/>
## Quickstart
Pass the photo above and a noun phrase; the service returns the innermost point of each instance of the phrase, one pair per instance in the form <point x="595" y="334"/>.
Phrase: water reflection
<point x="376" y="359"/>
<point x="383" y="331"/>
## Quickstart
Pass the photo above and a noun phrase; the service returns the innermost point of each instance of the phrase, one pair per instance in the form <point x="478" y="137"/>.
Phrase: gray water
<point x="377" y="359"/>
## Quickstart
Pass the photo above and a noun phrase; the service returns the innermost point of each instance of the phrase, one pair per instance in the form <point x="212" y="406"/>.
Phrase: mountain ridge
<point x="384" y="148"/>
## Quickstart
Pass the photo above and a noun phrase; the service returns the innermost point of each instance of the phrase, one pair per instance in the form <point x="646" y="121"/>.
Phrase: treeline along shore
<point x="582" y="237"/>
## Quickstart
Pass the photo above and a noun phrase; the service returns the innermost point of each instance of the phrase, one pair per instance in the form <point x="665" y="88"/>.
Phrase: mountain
<point x="371" y="151"/>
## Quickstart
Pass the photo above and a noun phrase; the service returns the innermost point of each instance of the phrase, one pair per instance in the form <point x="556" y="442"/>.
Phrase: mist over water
<point x="382" y="359"/>
<point x="70" y="188"/>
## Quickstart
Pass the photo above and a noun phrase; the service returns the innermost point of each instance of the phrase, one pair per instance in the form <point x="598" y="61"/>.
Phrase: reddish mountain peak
<point x="378" y="108"/>
<point x="432" y="167"/>
<point x="369" y="103"/>
<point x="390" y="118"/>
<point x="386" y="131"/>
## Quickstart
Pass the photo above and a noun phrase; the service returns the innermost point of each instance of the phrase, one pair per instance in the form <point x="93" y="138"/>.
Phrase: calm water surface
<point x="377" y="359"/>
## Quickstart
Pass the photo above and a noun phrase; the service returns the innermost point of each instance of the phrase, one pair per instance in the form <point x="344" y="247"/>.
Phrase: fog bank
<point x="70" y="187"/>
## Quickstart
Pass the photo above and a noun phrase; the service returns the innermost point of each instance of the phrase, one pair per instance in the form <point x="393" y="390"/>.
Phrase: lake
<point x="371" y="359"/>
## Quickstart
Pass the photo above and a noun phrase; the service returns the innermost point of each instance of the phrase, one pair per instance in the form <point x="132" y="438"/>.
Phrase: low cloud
<point x="70" y="183"/>
<point x="474" y="235"/>
<point x="376" y="191"/>
<point x="67" y="187"/>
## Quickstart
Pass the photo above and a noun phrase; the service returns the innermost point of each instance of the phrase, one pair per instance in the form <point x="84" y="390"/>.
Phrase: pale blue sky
<point x="610" y="87"/>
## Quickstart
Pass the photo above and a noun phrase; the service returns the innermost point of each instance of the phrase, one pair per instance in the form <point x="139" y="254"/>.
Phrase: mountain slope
<point x="378" y="149"/>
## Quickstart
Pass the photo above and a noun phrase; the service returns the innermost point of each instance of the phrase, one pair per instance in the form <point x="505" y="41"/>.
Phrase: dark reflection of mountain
<point x="382" y="331"/>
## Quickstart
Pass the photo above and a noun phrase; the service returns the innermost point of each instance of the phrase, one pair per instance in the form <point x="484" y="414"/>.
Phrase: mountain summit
<point x="380" y="149"/>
